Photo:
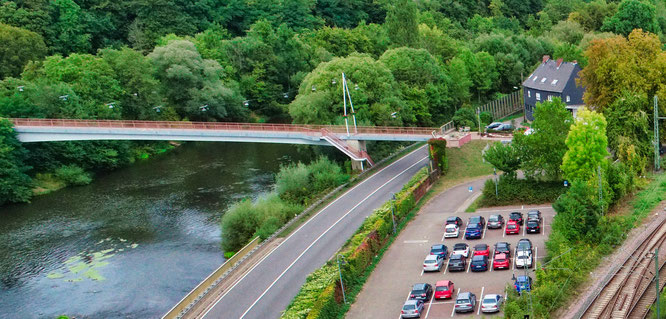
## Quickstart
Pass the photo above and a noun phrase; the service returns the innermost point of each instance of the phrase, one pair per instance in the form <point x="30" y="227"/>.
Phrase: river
<point x="135" y="241"/>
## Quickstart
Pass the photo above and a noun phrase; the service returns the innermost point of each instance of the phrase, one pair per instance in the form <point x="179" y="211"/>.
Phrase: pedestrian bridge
<point x="352" y="143"/>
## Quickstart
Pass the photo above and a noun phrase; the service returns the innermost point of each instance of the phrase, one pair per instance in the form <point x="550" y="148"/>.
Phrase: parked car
<point x="516" y="217"/>
<point x="457" y="263"/>
<point x="421" y="292"/>
<point x="493" y="125"/>
<point x="505" y="128"/>
<point x="412" y="309"/>
<point x="534" y="215"/>
<point x="524" y="259"/>
<point x="512" y="228"/>
<point x="473" y="231"/>
<point x="524" y="244"/>
<point x="451" y="231"/>
<point x="441" y="250"/>
<point x="533" y="226"/>
<point x="455" y="220"/>
<point x="479" y="263"/>
<point x="523" y="283"/>
<point x="491" y="303"/>
<point x="495" y="221"/>
<point x="433" y="263"/>
<point x="501" y="261"/>
<point x="477" y="220"/>
<point x="444" y="289"/>
<point x="461" y="249"/>
<point x="465" y="302"/>
<point x="482" y="249"/>
<point x="503" y="248"/>
<point x="529" y="131"/>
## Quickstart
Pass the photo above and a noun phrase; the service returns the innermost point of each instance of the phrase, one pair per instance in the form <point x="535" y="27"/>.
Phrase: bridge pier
<point x="359" y="147"/>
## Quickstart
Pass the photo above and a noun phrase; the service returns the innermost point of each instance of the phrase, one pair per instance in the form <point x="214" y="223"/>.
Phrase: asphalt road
<point x="390" y="283"/>
<point x="268" y="288"/>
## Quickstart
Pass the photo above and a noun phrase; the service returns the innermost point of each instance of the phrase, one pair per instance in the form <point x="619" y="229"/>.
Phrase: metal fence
<point x="505" y="106"/>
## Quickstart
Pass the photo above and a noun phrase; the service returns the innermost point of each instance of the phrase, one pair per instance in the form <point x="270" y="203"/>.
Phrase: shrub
<point x="486" y="118"/>
<point x="292" y="183"/>
<point x="465" y="117"/>
<point x="520" y="191"/>
<point x="438" y="153"/>
<point x="73" y="175"/>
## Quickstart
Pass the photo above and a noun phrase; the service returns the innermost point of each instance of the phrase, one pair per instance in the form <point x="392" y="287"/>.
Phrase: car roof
<point x="443" y="283"/>
<point x="451" y="226"/>
<point x="500" y="256"/>
<point x="477" y="257"/>
<point x="512" y="222"/>
<point x="438" y="246"/>
<point x="484" y="246"/>
<point x="412" y="302"/>
<point x="464" y="295"/>
<point x="431" y="257"/>
<point x="459" y="245"/>
<point x="456" y="256"/>
<point x="491" y="296"/>
<point x="452" y="218"/>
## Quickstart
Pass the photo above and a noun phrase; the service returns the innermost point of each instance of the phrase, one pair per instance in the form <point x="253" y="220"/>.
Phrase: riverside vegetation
<point x="414" y="64"/>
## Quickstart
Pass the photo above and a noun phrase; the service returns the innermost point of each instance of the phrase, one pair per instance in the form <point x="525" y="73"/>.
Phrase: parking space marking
<point x="442" y="302"/>
<point x="447" y="265"/>
<point x="444" y="234"/>
<point x="422" y="271"/>
<point x="428" y="311"/>
<point x="453" y="311"/>
<point x="484" y="233"/>
<point x="492" y="262"/>
<point x="414" y="241"/>
<point x="515" y="257"/>
<point x="511" y="210"/>
<point x="504" y="231"/>
<point x="479" y="303"/>
<point x="469" y="265"/>
<point x="524" y="229"/>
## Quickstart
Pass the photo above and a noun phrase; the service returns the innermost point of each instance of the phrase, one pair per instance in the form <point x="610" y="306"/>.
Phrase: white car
<point x="461" y="249"/>
<point x="433" y="263"/>
<point x="451" y="231"/>
<point x="524" y="259"/>
<point x="529" y="131"/>
<point x="491" y="303"/>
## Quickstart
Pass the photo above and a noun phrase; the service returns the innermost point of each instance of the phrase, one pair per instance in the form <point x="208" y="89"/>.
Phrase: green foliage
<point x="19" y="47"/>
<point x="505" y="157"/>
<point x="511" y="191"/>
<point x="577" y="212"/>
<point x="73" y="175"/>
<point x="402" y="23"/>
<point x="632" y="14"/>
<point x="591" y="15"/>
<point x="586" y="145"/>
<point x="628" y="130"/>
<point x="15" y="185"/>
<point x="438" y="154"/>
<point x="567" y="31"/>
<point x="465" y="117"/>
<point x="299" y="183"/>
<point x="486" y="117"/>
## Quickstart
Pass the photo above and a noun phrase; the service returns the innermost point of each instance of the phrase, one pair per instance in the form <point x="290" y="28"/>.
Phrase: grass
<point x="46" y="183"/>
<point x="475" y="205"/>
<point x="465" y="164"/>
<point x="351" y="184"/>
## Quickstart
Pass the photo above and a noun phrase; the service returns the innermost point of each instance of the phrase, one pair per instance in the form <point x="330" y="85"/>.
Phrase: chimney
<point x="559" y="62"/>
<point x="546" y="58"/>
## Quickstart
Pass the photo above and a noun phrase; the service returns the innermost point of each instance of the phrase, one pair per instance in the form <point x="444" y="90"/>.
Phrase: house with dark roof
<point x="553" y="79"/>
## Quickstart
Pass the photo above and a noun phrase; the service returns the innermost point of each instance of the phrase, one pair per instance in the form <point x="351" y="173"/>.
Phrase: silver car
<point x="433" y="263"/>
<point x="412" y="309"/>
<point x="491" y="303"/>
<point x="465" y="302"/>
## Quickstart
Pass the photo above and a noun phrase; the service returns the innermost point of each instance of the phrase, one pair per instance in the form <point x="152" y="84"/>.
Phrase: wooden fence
<point x="505" y="106"/>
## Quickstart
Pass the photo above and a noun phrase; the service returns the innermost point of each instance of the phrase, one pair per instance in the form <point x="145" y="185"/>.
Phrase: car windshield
<point x="512" y="226"/>
<point x="523" y="257"/>
<point x="436" y="249"/>
<point x="532" y="223"/>
<point x="408" y="307"/>
<point x="515" y="215"/>
<point x="489" y="300"/>
<point x="494" y="218"/>
<point x="502" y="246"/>
<point x="481" y="247"/>
<point x="475" y="220"/>
<point x="459" y="247"/>
<point x="462" y="301"/>
<point x="477" y="258"/>
<point x="455" y="257"/>
<point x="430" y="261"/>
<point x="524" y="245"/>
<point x="450" y="229"/>
<point x="442" y="288"/>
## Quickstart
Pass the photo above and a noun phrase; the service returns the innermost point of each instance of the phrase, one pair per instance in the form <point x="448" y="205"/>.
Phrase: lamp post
<point x="393" y="213"/>
<point x="338" y="258"/>
<point x="495" y="173"/>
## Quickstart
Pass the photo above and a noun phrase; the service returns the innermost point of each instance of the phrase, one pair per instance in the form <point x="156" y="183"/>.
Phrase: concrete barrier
<point x="200" y="290"/>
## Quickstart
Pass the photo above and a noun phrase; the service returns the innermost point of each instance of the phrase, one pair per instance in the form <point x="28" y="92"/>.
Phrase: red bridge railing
<point x="308" y="129"/>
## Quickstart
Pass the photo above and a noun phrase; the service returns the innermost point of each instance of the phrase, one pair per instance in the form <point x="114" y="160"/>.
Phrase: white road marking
<point x="504" y="231"/>
<point x="442" y="302"/>
<point x="453" y="311"/>
<point x="524" y="229"/>
<point x="324" y="233"/>
<point x="510" y="210"/>
<point x="422" y="271"/>
<point x="484" y="233"/>
<point x="466" y="225"/>
<point x="306" y="222"/>
<point x="481" y="301"/>
<point x="536" y="256"/>
<point x="428" y="311"/>
<point x="515" y="257"/>
<point x="414" y="241"/>
<point x="492" y="263"/>
<point x="444" y="234"/>
<point x="447" y="265"/>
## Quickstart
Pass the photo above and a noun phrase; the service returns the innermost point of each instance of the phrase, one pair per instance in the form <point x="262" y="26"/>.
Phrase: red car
<point x="444" y="289"/>
<point x="482" y="249"/>
<point x="502" y="261"/>
<point x="512" y="228"/>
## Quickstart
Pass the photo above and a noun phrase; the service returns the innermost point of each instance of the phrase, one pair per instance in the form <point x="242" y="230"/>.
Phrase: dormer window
<point x="543" y="80"/>
<point x="554" y="82"/>
<point x="534" y="78"/>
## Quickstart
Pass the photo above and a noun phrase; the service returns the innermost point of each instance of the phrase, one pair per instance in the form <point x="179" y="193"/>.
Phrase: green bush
<point x="301" y="183"/>
<point x="465" y="116"/>
<point x="438" y="153"/>
<point x="486" y="118"/>
<point x="73" y="175"/>
<point x="520" y="191"/>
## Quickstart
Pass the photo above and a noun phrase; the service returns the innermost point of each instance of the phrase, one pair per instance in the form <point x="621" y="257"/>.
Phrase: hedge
<point x="520" y="191"/>
<point x="438" y="153"/>
<point x="321" y="295"/>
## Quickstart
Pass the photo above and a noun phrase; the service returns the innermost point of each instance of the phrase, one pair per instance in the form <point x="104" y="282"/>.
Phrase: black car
<point x="455" y="220"/>
<point x="440" y="250"/>
<point x="533" y="226"/>
<point x="477" y="220"/>
<point x="534" y="215"/>
<point x="457" y="263"/>
<point x="421" y="292"/>
<point x="524" y="244"/>
<point x="503" y="248"/>
<point x="479" y="263"/>
<point x="495" y="221"/>
<point x="516" y="217"/>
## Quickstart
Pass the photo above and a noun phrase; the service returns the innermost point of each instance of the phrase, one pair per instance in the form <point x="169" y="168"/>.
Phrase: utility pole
<point x="656" y="133"/>
<point x="478" y="117"/>
<point x="337" y="258"/>
<point x="601" y="196"/>
<point x="656" y="277"/>
<point x="495" y="173"/>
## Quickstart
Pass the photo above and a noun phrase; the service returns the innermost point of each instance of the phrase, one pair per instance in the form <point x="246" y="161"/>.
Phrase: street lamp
<point x="158" y="108"/>
<point x="111" y="105"/>
<point x="314" y="88"/>
<point x="246" y="103"/>
<point x="64" y="97"/>
<point x="495" y="178"/>
<point x="204" y="108"/>
<point x="20" y="88"/>
<point x="393" y="212"/>
<point x="338" y="259"/>
<point x="285" y="95"/>
<point x="394" y="114"/>
<point x="333" y="81"/>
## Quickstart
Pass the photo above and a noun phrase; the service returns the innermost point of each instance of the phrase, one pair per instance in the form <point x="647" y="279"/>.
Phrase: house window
<point x="568" y="98"/>
<point x="543" y="80"/>
<point x="538" y="96"/>
<point x="534" y="79"/>
<point x="554" y="82"/>
<point x="550" y="98"/>
<point x="529" y="93"/>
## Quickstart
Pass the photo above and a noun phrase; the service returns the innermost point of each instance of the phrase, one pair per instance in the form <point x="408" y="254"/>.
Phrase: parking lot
<point x="402" y="265"/>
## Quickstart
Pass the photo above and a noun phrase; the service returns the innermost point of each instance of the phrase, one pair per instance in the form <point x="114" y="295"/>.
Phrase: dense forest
<point x="411" y="63"/>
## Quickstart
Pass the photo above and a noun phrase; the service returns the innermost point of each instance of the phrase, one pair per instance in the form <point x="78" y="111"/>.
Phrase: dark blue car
<point x="440" y="250"/>
<point x="479" y="263"/>
<point x="473" y="231"/>
<point x="523" y="283"/>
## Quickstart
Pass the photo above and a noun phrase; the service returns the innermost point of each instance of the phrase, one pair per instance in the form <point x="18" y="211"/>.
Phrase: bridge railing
<point x="309" y="129"/>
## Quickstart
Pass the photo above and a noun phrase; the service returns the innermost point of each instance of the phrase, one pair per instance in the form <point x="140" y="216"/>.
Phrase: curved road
<point x="268" y="288"/>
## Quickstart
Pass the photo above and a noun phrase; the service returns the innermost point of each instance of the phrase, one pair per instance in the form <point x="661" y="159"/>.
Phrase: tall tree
<point x="632" y="14"/>
<point x="19" y="47"/>
<point x="68" y="31"/>
<point x="587" y="147"/>
<point x="15" y="185"/>
<point x="402" y="23"/>
<point x="628" y="129"/>
<point x="592" y="14"/>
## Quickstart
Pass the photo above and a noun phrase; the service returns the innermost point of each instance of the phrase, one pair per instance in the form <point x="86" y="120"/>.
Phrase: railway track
<point x="630" y="290"/>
